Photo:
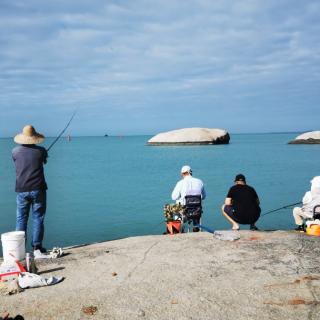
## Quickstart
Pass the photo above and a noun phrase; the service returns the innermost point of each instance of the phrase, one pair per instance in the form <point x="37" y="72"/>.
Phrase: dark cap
<point x="240" y="177"/>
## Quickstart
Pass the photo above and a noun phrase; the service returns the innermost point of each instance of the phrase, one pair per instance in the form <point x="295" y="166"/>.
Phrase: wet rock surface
<point x="263" y="275"/>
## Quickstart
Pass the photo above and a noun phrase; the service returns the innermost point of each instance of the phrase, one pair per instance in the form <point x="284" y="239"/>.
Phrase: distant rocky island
<point x="191" y="136"/>
<point x="312" y="137"/>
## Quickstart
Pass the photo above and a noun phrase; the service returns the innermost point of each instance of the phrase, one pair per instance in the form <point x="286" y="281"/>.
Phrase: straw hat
<point x="28" y="136"/>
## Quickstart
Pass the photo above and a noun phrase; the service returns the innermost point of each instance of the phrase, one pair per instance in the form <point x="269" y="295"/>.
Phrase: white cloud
<point x="64" y="53"/>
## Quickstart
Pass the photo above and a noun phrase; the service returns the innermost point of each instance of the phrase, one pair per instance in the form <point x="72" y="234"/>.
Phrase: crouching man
<point x="241" y="204"/>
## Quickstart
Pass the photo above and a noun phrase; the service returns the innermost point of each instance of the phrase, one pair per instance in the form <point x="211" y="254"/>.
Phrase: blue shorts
<point x="229" y="210"/>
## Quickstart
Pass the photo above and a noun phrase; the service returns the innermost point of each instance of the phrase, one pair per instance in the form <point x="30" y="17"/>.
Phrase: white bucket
<point x="13" y="246"/>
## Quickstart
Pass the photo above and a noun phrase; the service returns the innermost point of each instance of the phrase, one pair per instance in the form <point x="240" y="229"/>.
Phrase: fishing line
<point x="61" y="133"/>
<point x="285" y="207"/>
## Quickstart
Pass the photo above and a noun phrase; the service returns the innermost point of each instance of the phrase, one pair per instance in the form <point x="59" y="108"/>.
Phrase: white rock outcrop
<point x="312" y="137"/>
<point x="190" y="136"/>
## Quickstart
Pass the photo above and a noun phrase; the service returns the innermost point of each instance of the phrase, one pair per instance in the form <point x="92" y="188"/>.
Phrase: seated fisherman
<point x="188" y="186"/>
<point x="241" y="204"/>
<point x="309" y="201"/>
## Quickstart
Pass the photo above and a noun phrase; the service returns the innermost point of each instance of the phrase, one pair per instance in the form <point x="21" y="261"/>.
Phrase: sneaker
<point x="253" y="228"/>
<point x="42" y="249"/>
<point x="39" y="255"/>
<point x="299" y="228"/>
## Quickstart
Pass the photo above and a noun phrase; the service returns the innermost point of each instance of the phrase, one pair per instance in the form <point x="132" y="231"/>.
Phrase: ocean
<point x="104" y="188"/>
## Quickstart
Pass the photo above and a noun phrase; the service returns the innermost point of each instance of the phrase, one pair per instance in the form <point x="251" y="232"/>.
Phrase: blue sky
<point x="144" y="66"/>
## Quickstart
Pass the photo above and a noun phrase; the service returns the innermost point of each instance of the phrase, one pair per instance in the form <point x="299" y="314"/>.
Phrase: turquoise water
<point x="108" y="188"/>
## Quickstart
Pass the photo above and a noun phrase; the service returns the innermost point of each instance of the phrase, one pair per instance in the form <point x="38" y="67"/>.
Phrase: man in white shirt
<point x="309" y="201"/>
<point x="188" y="186"/>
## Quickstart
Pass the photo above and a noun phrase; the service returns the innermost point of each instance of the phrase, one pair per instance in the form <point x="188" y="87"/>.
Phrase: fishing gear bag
<point x="174" y="215"/>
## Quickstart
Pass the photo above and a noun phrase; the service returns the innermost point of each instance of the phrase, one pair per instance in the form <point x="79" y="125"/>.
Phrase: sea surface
<point x="103" y="188"/>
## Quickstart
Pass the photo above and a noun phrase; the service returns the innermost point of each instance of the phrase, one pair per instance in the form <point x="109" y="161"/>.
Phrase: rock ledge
<point x="263" y="275"/>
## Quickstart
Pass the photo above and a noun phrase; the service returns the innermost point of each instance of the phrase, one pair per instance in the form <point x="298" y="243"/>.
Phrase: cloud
<point x="63" y="54"/>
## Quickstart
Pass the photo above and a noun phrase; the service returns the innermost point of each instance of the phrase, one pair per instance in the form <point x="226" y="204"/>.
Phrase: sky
<point x="148" y="66"/>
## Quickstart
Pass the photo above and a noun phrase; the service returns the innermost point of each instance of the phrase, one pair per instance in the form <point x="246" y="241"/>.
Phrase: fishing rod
<point x="284" y="207"/>
<point x="61" y="133"/>
<point x="201" y="226"/>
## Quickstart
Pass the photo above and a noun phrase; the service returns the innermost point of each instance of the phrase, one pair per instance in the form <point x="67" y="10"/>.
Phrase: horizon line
<point x="146" y="134"/>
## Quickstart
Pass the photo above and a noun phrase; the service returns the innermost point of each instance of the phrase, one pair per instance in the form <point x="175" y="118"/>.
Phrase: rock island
<point x="191" y="136"/>
<point x="312" y="137"/>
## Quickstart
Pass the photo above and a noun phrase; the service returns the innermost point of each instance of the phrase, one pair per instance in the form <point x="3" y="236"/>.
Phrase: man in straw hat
<point x="30" y="184"/>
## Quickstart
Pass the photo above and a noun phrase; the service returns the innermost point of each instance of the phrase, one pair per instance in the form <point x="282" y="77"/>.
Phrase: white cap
<point x="185" y="169"/>
<point x="316" y="181"/>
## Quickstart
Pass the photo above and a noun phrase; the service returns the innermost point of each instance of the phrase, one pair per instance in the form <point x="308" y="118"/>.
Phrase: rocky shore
<point x="263" y="275"/>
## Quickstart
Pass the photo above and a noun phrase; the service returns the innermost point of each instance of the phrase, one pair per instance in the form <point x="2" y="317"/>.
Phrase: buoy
<point x="313" y="230"/>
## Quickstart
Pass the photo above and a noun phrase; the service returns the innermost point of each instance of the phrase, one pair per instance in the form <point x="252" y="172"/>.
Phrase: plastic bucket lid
<point x="12" y="235"/>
